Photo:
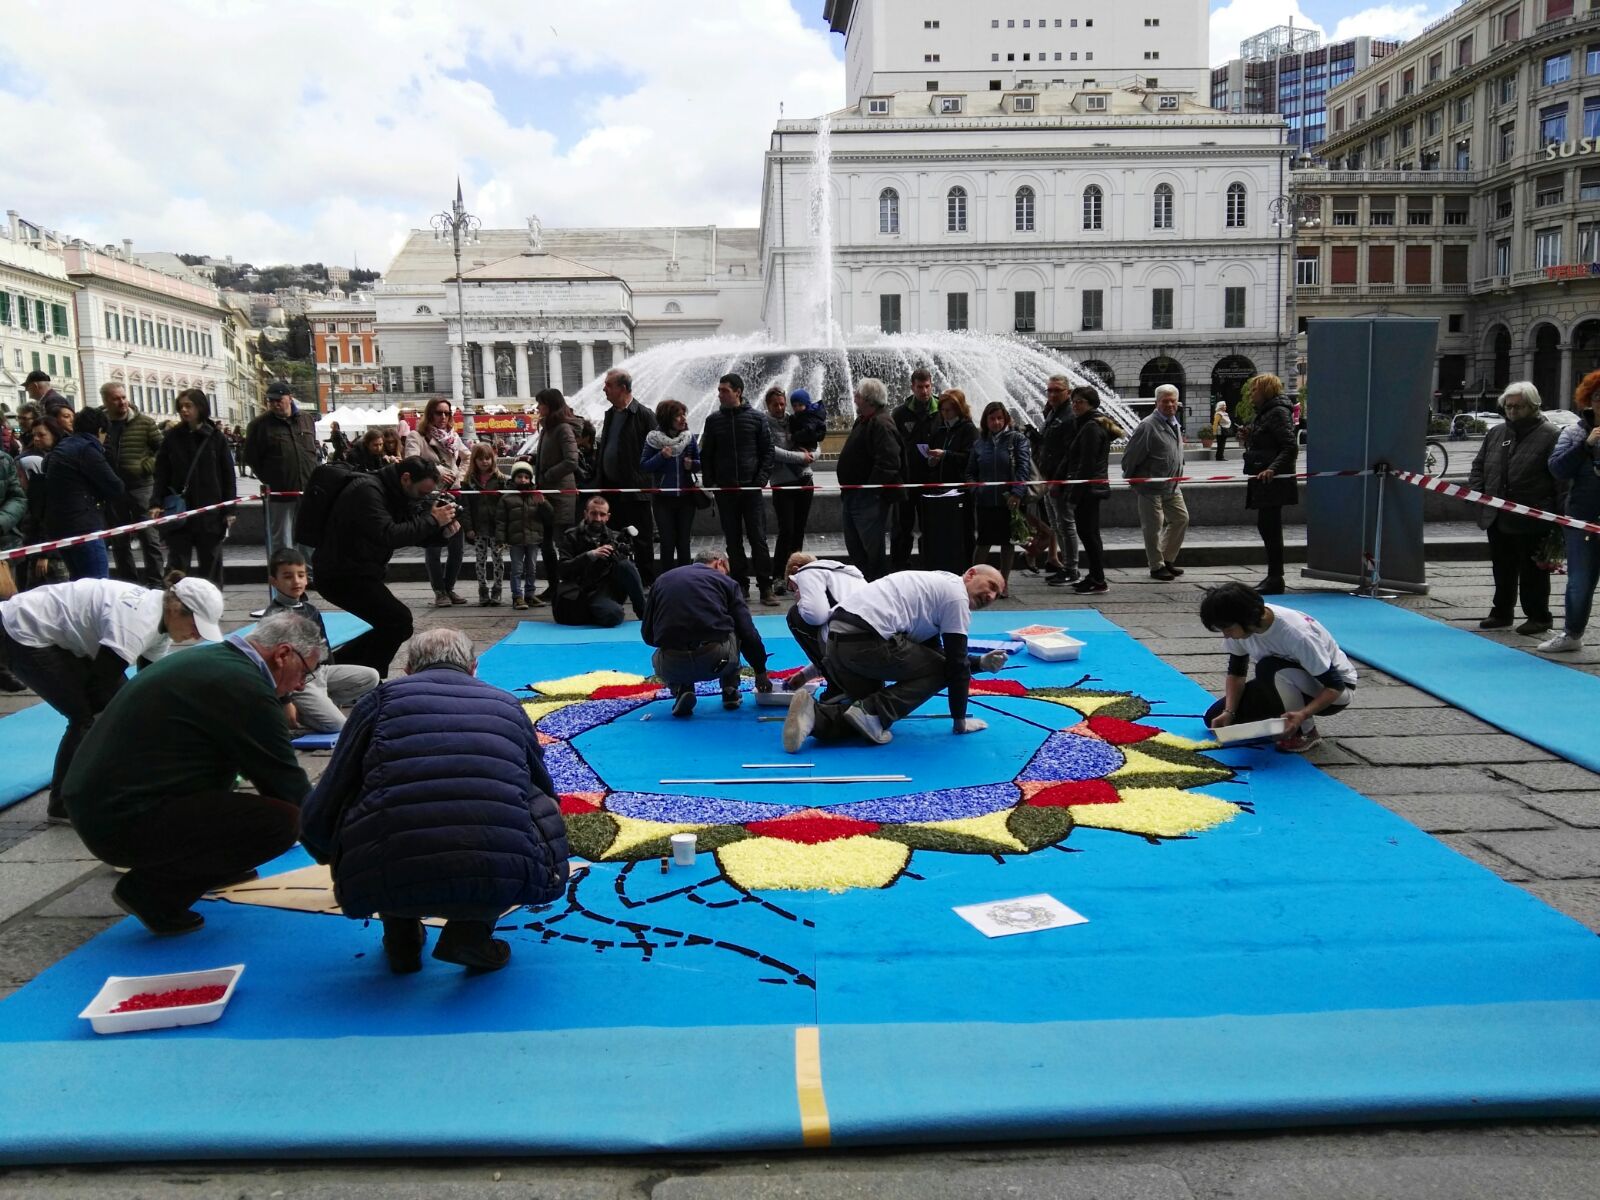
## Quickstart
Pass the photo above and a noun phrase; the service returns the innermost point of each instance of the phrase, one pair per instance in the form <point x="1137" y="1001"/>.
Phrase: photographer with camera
<point x="596" y="571"/>
<point x="373" y="516"/>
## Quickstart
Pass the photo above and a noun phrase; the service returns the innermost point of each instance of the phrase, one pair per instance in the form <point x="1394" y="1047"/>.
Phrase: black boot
<point x="470" y="944"/>
<point x="403" y="939"/>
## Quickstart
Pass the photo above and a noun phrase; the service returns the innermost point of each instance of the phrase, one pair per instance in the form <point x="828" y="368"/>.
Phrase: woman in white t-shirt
<point x="1299" y="669"/>
<point x="73" y="643"/>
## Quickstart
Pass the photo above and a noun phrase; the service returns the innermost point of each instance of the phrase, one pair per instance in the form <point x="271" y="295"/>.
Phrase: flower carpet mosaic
<point x="1263" y="946"/>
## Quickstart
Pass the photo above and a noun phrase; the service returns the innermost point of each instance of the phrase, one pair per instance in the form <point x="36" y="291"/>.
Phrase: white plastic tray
<point x="119" y="987"/>
<point x="1251" y="731"/>
<point x="776" y="698"/>
<point x="1053" y="647"/>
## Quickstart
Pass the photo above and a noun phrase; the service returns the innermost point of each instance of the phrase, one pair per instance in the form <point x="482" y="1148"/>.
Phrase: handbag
<point x="8" y="581"/>
<point x="174" y="502"/>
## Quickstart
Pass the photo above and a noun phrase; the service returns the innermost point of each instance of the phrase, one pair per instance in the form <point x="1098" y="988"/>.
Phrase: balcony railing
<point x="1307" y="178"/>
<point x="1355" y="291"/>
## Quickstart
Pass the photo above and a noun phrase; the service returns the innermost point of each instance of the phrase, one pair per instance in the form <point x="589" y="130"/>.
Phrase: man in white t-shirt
<point x="819" y="585"/>
<point x="1300" y="670"/>
<point x="892" y="645"/>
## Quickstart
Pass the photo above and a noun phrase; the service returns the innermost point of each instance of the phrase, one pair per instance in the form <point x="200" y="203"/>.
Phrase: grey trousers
<point x="329" y="689"/>
<point x="1066" y="527"/>
<point x="1164" y="520"/>
<point x="150" y="543"/>
<point x="280" y="526"/>
<point x="680" y="670"/>
<point x="888" y="677"/>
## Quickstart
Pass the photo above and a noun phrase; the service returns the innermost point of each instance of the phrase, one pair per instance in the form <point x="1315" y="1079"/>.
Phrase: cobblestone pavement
<point x="1525" y="815"/>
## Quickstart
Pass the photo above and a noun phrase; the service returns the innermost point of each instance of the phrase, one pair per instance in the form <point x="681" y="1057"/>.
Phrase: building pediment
<point x="533" y="265"/>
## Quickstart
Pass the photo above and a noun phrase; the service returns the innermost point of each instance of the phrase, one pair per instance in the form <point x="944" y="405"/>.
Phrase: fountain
<point x="828" y="360"/>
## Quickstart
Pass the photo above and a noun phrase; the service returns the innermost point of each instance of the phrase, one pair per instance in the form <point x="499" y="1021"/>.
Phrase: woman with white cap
<point x="73" y="643"/>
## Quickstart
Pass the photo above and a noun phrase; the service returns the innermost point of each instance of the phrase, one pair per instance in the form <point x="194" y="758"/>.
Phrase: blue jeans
<point x="88" y="561"/>
<point x="523" y="563"/>
<point x="443" y="574"/>
<point x="1583" y="570"/>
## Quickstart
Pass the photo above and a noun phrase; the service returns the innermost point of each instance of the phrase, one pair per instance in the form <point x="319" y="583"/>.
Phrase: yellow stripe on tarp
<point x="814" y="1129"/>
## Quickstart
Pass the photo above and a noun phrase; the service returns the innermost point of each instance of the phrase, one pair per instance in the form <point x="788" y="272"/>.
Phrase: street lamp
<point x="1291" y="211"/>
<point x="460" y="226"/>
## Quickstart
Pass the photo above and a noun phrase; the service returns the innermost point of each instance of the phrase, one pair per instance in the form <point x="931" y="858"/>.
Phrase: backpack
<point x="317" y="500"/>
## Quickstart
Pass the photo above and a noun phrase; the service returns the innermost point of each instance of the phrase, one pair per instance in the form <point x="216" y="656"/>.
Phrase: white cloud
<point x="309" y="129"/>
<point x="1390" y="21"/>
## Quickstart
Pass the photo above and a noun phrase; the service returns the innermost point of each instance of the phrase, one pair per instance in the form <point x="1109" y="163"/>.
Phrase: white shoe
<point x="867" y="725"/>
<point x="802" y="719"/>
<point x="1562" y="643"/>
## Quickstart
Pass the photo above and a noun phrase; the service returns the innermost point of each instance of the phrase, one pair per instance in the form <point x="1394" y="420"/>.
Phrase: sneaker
<point x="1299" y="741"/>
<point x="1059" y="576"/>
<point x="1174" y="568"/>
<point x="867" y="725"/>
<point x="1533" y="628"/>
<point x="768" y="598"/>
<point x="1562" y="643"/>
<point x="802" y="719"/>
<point x="162" y="924"/>
<point x="483" y="599"/>
<point x="1091" y="587"/>
<point x="258" y="613"/>
<point x="730" y="699"/>
<point x="441" y="599"/>
<point x="1494" y="622"/>
<point x="518" y="604"/>
<point x="536" y="602"/>
<point x="1164" y="573"/>
<point x="455" y="598"/>
<point x="683" y="704"/>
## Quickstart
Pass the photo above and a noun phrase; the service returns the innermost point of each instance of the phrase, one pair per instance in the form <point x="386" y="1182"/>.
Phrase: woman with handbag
<point x="1270" y="453"/>
<point x="194" y="468"/>
<point x="1000" y="455"/>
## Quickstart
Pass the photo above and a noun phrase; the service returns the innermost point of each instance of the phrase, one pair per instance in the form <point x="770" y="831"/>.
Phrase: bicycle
<point x="1435" y="459"/>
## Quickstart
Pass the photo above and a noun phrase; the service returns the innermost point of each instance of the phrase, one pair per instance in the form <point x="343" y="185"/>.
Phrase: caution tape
<point x="79" y="539"/>
<point x="1465" y="493"/>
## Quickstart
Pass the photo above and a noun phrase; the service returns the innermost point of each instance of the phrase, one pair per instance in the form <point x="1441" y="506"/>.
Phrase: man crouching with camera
<point x="596" y="571"/>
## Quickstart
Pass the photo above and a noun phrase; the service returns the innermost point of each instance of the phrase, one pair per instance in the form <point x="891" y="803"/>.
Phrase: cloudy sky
<point x="301" y="130"/>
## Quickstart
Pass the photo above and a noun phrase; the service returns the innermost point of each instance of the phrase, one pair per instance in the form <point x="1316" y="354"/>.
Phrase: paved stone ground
<point x="1529" y="817"/>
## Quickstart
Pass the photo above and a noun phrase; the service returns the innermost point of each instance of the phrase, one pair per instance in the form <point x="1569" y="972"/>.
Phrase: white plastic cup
<point x="683" y="849"/>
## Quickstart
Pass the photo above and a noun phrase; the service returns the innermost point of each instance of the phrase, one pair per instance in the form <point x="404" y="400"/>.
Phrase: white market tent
<point x="355" y="420"/>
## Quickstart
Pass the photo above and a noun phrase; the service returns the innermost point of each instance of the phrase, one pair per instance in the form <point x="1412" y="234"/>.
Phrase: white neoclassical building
<point x="1128" y="227"/>
<point x="38" y="321"/>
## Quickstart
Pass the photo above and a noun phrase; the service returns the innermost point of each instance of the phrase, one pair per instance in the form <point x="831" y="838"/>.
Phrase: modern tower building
<point x="1288" y="71"/>
<point x="958" y="46"/>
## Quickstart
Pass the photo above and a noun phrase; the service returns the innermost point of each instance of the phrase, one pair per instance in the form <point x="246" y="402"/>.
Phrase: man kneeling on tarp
<point x="437" y="804"/>
<point x="1300" y="670"/>
<point x="895" y="643"/>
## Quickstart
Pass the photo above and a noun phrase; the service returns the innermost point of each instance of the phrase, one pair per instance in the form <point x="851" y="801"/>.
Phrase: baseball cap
<point x="36" y="377"/>
<point x="274" y="390"/>
<point x="204" y="603"/>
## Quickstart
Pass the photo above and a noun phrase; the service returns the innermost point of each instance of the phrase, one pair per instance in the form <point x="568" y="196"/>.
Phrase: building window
<point x="1557" y="69"/>
<point x="889" y="313"/>
<point x="422" y="379"/>
<point x="1024" y="210"/>
<point x="1024" y="307"/>
<point x="950" y="105"/>
<point x="1508" y="88"/>
<point x="1160" y="308"/>
<point x="955" y="308"/>
<point x="1408" y="82"/>
<point x="1508" y="141"/>
<point x="39" y="315"/>
<point x="1344" y="216"/>
<point x="1435" y="66"/>
<point x="1419" y="210"/>
<point x="1464" y="52"/>
<point x="1093" y="207"/>
<point x="1463" y="109"/>
<point x="1555" y="10"/>
<point x="1502" y="256"/>
<point x="333" y="354"/>
<point x="1547" y="248"/>
<point x="1380" y="265"/>
<point x="5" y="308"/>
<point x="1591" y="117"/>
<point x="1589" y="183"/>
<point x="58" y="320"/>
<point x="355" y="354"/>
<point x="113" y="327"/>
<point x="1094" y="309"/>
<point x="955" y="211"/>
<point x="930" y="58"/>
<point x="1550" y="189"/>
<point x="877" y="108"/>
<point x="1307" y="266"/>
<point x="1382" y="211"/>
<point x="1233" y="308"/>
<point x="1405" y="135"/>
<point x="1161" y="211"/>
<point x="1464" y="154"/>
<point x="1237" y="208"/>
<point x="1510" y="25"/>
<point x="1591" y="60"/>
<point x="1457" y="210"/>
<point x="1022" y="104"/>
<point x="888" y="211"/>
<point x="1094" y="104"/>
<point x="394" y="379"/>
<point x="50" y="363"/>
<point x="1589" y="242"/>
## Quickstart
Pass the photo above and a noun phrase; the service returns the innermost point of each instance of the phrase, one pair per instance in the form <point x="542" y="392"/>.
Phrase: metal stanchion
<point x="1369" y="587"/>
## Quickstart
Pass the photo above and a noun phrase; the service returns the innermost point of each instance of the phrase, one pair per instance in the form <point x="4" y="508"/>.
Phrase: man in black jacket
<point x="736" y="451"/>
<point x="699" y="623"/>
<point x="618" y="455"/>
<point x="913" y="421"/>
<point x="372" y="517"/>
<point x="596" y="571"/>
<point x="280" y="446"/>
<point x="1055" y="439"/>
<point x="871" y="454"/>
<point x="43" y="393"/>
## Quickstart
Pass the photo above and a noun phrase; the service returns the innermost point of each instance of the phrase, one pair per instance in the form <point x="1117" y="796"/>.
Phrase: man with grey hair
<point x="132" y="440"/>
<point x="699" y="623"/>
<point x="153" y="789"/>
<point x="871" y="456"/>
<point x="413" y="833"/>
<point x="1155" y="452"/>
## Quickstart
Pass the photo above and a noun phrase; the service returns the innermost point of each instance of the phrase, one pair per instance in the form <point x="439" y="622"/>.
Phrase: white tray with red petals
<point x="130" y="1003"/>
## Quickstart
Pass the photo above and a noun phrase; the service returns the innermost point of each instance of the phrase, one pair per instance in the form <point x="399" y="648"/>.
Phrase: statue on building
<point x="505" y="373"/>
<point x="535" y="234"/>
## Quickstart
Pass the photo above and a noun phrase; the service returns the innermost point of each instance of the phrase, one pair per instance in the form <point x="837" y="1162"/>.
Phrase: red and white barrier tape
<point x="1472" y="497"/>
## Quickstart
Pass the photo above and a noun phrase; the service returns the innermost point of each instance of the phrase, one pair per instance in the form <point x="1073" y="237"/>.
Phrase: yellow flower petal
<point x="1157" y="812"/>
<point x="1136" y="763"/>
<point x="632" y="832"/>
<point x="766" y="863"/>
<point x="991" y="827"/>
<point x="1182" y="743"/>
<point x="582" y="685"/>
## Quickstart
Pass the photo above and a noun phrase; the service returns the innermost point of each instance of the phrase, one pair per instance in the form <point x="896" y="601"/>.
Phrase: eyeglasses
<point x="305" y="666"/>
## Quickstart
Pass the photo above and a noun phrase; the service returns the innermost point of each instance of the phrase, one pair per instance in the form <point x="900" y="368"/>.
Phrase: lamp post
<point x="1291" y="211"/>
<point x="459" y="226"/>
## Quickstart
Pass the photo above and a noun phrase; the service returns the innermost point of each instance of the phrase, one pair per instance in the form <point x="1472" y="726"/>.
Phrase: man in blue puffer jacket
<point x="437" y="804"/>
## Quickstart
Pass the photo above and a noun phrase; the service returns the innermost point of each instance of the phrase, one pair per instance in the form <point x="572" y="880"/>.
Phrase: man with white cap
<point x="73" y="643"/>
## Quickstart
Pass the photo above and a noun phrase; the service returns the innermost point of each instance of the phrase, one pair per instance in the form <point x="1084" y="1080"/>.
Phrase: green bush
<point x="1438" y="426"/>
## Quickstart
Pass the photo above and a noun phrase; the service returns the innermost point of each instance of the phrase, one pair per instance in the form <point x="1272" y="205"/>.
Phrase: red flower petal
<point x="624" y="691"/>
<point x="1119" y="732"/>
<point x="997" y="687"/>
<point x="572" y="804"/>
<point x="1065" y="795"/>
<point x="811" y="827"/>
<point x="785" y="673"/>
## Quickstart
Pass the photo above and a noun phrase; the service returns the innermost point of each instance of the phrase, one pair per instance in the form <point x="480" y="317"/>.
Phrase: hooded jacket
<point x="371" y="519"/>
<point x="1514" y="464"/>
<point x="1576" y="463"/>
<point x="437" y="801"/>
<point x="808" y="424"/>
<point x="212" y="480"/>
<point x="736" y="448"/>
<point x="556" y="465"/>
<point x="137" y="441"/>
<point x="913" y="421"/>
<point x="1272" y="445"/>
<point x="1089" y="455"/>
<point x="77" y="480"/>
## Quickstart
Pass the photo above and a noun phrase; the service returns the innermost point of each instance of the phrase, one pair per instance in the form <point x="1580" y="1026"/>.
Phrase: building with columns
<point x="38" y="319"/>
<point x="344" y="347"/>
<point x="1462" y="182"/>
<point x="553" y="307"/>
<point x="1128" y="228"/>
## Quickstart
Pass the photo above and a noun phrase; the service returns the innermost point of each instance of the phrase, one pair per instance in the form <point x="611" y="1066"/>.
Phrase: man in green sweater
<point x="132" y="439"/>
<point x="152" y="786"/>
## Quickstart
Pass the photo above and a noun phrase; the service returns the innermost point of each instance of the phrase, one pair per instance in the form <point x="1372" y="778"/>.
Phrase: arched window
<point x="888" y="211"/>
<point x="1024" y="210"/>
<point x="1236" y="206"/>
<point x="955" y="216"/>
<point x="1093" y="207"/>
<point x="674" y="307"/>
<point x="1161" y="216"/>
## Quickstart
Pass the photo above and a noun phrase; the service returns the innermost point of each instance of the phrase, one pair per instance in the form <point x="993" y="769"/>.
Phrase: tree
<point x="299" y="341"/>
